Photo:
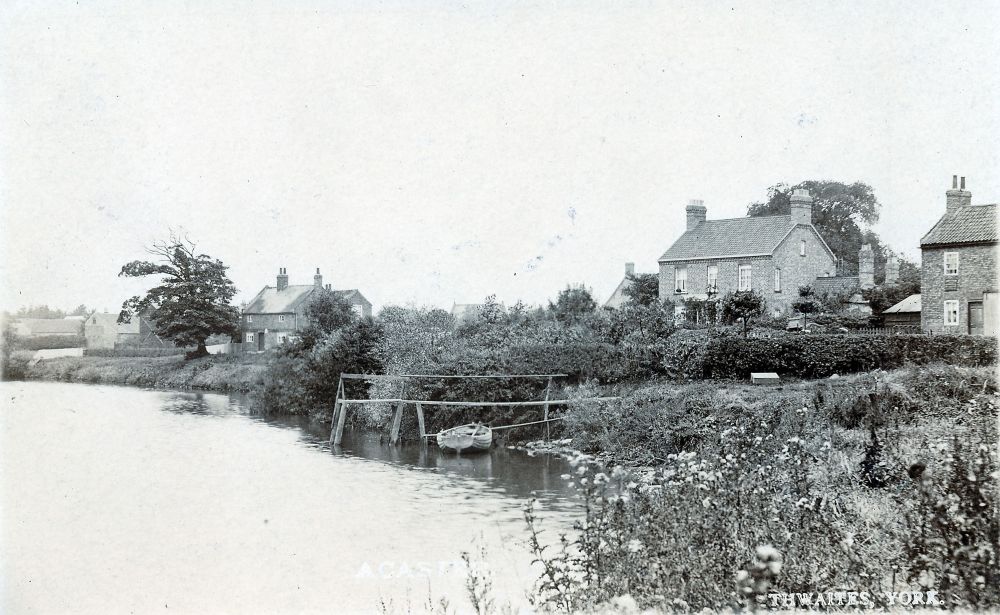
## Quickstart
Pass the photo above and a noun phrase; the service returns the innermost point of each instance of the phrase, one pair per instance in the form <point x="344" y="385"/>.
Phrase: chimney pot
<point x="962" y="185"/>
<point x="954" y="182"/>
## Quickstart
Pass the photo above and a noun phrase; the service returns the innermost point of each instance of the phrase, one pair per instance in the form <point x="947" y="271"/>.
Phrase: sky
<point x="429" y="153"/>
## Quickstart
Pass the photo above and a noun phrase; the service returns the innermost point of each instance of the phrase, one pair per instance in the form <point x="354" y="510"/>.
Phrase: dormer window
<point x="680" y="279"/>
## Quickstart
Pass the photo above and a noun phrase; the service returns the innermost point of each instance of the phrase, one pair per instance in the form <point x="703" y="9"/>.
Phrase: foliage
<point x="840" y="213"/>
<point x="326" y="313"/>
<point x="192" y="301"/>
<point x="44" y="342"/>
<point x="742" y="307"/>
<point x="39" y="311"/>
<point x="875" y="473"/>
<point x="642" y="289"/>
<point x="573" y="305"/>
<point x="820" y="355"/>
<point x="883" y="297"/>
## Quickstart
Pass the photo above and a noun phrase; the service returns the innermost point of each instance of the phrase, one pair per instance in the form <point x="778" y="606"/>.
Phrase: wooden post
<point x="396" y="420"/>
<point x="339" y="430"/>
<point x="545" y="408"/>
<point x="420" y="423"/>
<point x="337" y="407"/>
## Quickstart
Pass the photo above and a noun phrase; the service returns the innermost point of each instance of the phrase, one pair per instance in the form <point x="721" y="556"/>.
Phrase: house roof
<point x="968" y="224"/>
<point x="748" y="236"/>
<point x="835" y="284"/>
<point x="910" y="304"/>
<point x="270" y="300"/>
<point x="110" y="321"/>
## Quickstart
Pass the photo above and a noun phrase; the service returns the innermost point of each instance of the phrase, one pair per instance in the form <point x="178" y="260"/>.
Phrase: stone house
<point x="773" y="255"/>
<point x="277" y="313"/>
<point x="958" y="278"/>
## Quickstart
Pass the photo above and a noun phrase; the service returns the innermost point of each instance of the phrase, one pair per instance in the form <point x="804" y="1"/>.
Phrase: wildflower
<point x="600" y="478"/>
<point x="581" y="470"/>
<point x="767" y="553"/>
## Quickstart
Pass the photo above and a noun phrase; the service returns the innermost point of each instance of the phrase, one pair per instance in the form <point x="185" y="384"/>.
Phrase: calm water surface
<point x="122" y="500"/>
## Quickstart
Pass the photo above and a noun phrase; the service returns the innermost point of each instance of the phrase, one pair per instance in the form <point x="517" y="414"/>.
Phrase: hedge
<point x="820" y="356"/>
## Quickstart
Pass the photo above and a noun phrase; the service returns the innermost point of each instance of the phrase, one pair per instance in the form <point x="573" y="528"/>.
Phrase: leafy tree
<point x="884" y="297"/>
<point x="192" y="301"/>
<point x="573" y="305"/>
<point x="806" y="303"/>
<point x="642" y="289"/>
<point x="742" y="307"/>
<point x="326" y="313"/>
<point x="841" y="214"/>
<point x="82" y="310"/>
<point x="40" y="311"/>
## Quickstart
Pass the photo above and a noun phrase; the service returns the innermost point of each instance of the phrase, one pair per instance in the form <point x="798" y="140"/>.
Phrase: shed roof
<point x="968" y="224"/>
<point x="910" y="304"/>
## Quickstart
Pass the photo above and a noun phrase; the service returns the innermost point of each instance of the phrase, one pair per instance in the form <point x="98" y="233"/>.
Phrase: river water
<point x="123" y="500"/>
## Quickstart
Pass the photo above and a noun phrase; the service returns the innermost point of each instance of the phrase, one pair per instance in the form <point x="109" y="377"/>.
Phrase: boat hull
<point x="467" y="438"/>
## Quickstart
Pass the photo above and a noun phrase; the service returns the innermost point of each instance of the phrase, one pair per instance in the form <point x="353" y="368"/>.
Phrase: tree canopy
<point x="842" y="214"/>
<point x="573" y="304"/>
<point x="742" y="307"/>
<point x="642" y="289"/>
<point x="192" y="300"/>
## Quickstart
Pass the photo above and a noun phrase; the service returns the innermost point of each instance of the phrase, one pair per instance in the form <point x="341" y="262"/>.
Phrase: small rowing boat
<point x="466" y="438"/>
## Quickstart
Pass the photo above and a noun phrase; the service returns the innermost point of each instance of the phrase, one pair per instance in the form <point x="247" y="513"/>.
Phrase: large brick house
<point x="773" y="255"/>
<point x="277" y="312"/>
<point x="958" y="276"/>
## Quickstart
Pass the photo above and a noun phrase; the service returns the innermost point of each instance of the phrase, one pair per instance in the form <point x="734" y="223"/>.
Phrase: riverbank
<point x="224" y="373"/>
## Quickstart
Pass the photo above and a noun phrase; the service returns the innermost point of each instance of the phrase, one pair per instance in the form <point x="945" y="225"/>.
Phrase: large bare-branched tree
<point x="192" y="301"/>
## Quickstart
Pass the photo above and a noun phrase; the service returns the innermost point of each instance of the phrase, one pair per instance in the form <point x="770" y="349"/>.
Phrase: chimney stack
<point x="696" y="213"/>
<point x="282" y="279"/>
<point x="629" y="268"/>
<point x="318" y="279"/>
<point x="958" y="196"/>
<point x="802" y="206"/>
<point x="328" y="287"/>
<point x="891" y="269"/>
<point x="866" y="267"/>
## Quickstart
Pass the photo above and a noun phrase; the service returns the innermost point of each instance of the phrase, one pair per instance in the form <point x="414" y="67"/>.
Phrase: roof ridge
<point x="747" y="217"/>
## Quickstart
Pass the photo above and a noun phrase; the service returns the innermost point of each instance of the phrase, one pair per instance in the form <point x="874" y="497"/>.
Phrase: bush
<point x="45" y="342"/>
<point x="820" y="356"/>
<point x="134" y="351"/>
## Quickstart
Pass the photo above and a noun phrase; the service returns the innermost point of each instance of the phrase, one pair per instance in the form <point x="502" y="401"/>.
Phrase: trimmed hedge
<point x="46" y="342"/>
<point x="820" y="356"/>
<point x="583" y="361"/>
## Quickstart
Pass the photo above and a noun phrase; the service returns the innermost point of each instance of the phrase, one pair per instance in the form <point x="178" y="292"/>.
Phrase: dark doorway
<point x="976" y="317"/>
<point x="260" y="341"/>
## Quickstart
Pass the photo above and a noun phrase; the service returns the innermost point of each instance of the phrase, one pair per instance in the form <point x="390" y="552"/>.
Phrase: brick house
<point x="277" y="313"/>
<point x="958" y="278"/>
<point x="773" y="255"/>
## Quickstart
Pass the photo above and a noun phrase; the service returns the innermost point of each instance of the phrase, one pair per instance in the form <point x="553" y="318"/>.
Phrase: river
<point x="124" y="500"/>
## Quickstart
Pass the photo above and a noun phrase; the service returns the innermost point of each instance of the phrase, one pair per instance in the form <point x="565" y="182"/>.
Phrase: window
<point x="777" y="280"/>
<point x="713" y="278"/>
<point x="951" y="312"/>
<point x="281" y="318"/>
<point x="249" y="338"/>
<point x="951" y="263"/>
<point x="680" y="279"/>
<point x="249" y="318"/>
<point x="282" y="338"/>
<point x="745" y="272"/>
<point x="802" y="248"/>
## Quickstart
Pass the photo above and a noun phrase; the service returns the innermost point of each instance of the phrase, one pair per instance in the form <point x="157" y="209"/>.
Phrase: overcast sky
<point x="440" y="152"/>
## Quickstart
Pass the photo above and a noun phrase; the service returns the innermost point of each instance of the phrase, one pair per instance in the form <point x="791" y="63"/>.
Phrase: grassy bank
<point x="244" y="373"/>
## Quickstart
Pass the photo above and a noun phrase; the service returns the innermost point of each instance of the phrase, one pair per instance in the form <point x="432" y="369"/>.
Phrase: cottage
<point x="102" y="331"/>
<point x="617" y="298"/>
<point x="773" y="255"/>
<point x="958" y="277"/>
<point x="277" y="313"/>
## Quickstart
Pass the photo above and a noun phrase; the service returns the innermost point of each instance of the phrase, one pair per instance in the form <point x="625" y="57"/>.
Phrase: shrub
<point x="45" y="342"/>
<point x="819" y="356"/>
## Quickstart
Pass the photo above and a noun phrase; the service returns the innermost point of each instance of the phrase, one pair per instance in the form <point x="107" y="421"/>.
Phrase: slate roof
<point x="270" y="300"/>
<point x="968" y="224"/>
<point x="51" y="326"/>
<point x="910" y="304"/>
<point x="749" y="236"/>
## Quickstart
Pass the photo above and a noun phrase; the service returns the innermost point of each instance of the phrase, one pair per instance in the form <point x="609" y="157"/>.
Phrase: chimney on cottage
<point x="282" y="279"/>
<point x="328" y="287"/>
<point x="891" y="269"/>
<point x="318" y="279"/>
<point x="629" y="268"/>
<point x="696" y="213"/>
<point x="802" y="206"/>
<point x="866" y="267"/>
<point x="958" y="196"/>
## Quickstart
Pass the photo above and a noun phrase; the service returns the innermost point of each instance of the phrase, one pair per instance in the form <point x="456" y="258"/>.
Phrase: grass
<point x="238" y="372"/>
